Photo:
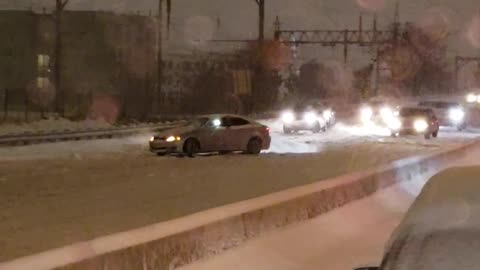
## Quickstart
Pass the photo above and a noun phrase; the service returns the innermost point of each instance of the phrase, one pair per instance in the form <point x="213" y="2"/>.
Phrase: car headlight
<point x="394" y="124"/>
<point x="327" y="114"/>
<point x="310" y="117"/>
<point x="420" y="125"/>
<point x="456" y="114"/>
<point x="386" y="113"/>
<point x="366" y="114"/>
<point x="216" y="122"/>
<point x="173" y="138"/>
<point x="471" y="98"/>
<point x="288" y="117"/>
<point x="152" y="139"/>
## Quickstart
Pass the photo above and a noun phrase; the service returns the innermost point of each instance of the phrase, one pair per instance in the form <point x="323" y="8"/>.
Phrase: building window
<point x="42" y="82"/>
<point x="43" y="62"/>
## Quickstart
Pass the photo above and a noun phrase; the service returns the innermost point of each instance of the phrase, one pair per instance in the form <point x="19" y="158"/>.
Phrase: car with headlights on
<point x="473" y="98"/>
<point x="213" y="133"/>
<point x="450" y="114"/>
<point x="307" y="117"/>
<point x="415" y="120"/>
<point x="376" y="112"/>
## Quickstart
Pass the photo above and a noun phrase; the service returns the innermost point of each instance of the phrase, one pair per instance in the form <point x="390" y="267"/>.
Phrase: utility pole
<point x="60" y="94"/>
<point x="159" y="98"/>
<point x="169" y="13"/>
<point x="345" y="47"/>
<point x="377" y="72"/>
<point x="396" y="24"/>
<point x="261" y="20"/>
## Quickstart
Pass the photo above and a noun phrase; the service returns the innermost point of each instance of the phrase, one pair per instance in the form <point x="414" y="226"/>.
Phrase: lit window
<point x="42" y="82"/>
<point x="43" y="60"/>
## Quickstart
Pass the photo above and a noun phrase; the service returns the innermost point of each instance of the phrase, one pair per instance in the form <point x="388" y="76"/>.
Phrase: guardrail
<point x="88" y="134"/>
<point x="174" y="243"/>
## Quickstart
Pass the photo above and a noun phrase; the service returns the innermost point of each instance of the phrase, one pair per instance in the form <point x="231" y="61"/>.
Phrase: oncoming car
<point x="473" y="97"/>
<point x="213" y="133"/>
<point x="415" y="120"/>
<point x="450" y="114"/>
<point x="376" y="112"/>
<point x="312" y="116"/>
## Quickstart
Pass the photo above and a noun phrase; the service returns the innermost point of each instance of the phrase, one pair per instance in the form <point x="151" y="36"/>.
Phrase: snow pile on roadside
<point x="51" y="124"/>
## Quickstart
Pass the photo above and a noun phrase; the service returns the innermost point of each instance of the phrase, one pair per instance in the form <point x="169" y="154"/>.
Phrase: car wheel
<point x="191" y="147"/>
<point x="317" y="128"/>
<point x="427" y="136"/>
<point x="435" y="134"/>
<point x="286" y="130"/>
<point x="254" y="146"/>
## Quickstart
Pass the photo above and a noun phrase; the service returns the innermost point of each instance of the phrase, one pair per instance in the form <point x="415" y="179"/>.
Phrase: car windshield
<point x="162" y="134"/>
<point x="440" y="105"/>
<point x="199" y="121"/>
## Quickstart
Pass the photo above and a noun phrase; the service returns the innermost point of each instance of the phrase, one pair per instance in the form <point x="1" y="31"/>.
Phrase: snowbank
<point x="51" y="124"/>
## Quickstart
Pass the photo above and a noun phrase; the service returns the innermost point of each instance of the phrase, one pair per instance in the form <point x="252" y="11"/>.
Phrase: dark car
<point x="213" y="133"/>
<point x="441" y="230"/>
<point x="450" y="114"/>
<point x="415" y="120"/>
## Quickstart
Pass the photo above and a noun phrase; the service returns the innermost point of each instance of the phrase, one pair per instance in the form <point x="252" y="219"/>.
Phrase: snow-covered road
<point x="342" y="135"/>
<point x="347" y="238"/>
<point x="56" y="194"/>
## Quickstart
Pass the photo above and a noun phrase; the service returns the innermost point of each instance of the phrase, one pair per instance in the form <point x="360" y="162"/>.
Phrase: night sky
<point x="198" y="19"/>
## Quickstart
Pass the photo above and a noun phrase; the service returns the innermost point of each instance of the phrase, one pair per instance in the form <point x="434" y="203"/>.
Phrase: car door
<point x="212" y="136"/>
<point x="238" y="133"/>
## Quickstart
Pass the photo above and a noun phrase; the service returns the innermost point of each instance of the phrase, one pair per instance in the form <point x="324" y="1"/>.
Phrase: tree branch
<point x="63" y="4"/>
<point x="258" y="2"/>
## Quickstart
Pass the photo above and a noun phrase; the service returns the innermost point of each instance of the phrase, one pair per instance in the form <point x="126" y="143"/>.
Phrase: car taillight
<point x="267" y="130"/>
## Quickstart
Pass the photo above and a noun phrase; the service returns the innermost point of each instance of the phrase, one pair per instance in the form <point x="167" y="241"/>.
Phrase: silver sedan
<point x="213" y="133"/>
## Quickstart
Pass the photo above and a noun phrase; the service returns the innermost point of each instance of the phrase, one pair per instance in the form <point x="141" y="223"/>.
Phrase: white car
<point x="213" y="133"/>
<point x="376" y="112"/>
<point x="305" y="118"/>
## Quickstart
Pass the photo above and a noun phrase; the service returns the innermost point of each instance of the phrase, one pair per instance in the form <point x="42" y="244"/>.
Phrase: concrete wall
<point x="178" y="242"/>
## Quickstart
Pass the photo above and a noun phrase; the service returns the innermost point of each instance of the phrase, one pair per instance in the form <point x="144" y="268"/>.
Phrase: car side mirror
<point x="368" y="268"/>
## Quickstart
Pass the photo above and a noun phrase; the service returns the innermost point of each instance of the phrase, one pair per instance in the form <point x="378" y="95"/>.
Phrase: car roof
<point x="419" y="108"/>
<point x="449" y="200"/>
<point x="450" y="103"/>
<point x="220" y="115"/>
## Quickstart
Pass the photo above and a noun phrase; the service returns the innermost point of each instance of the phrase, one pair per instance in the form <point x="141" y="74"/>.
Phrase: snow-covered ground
<point x="342" y="135"/>
<point x="356" y="235"/>
<point x="59" y="193"/>
<point x="348" y="134"/>
<point x="51" y="124"/>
